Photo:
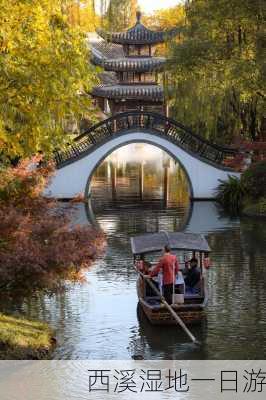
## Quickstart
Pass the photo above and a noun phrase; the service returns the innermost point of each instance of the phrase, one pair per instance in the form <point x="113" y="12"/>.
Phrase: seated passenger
<point x="142" y="265"/>
<point x="193" y="276"/>
<point x="207" y="261"/>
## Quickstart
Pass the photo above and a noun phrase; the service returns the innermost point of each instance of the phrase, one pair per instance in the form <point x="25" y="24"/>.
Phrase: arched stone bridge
<point x="203" y="162"/>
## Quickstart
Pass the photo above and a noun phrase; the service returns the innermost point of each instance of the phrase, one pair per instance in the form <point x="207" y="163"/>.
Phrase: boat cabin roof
<point x="154" y="242"/>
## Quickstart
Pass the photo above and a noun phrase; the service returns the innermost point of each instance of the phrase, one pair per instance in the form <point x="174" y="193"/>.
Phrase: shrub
<point x="231" y="193"/>
<point x="254" y="180"/>
<point x="39" y="247"/>
<point x="256" y="208"/>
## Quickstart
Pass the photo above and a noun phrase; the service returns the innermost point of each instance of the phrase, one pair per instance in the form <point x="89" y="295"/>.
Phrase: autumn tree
<point x="121" y="14"/>
<point x="83" y="14"/>
<point x="39" y="246"/>
<point x="44" y="76"/>
<point x="166" y="19"/>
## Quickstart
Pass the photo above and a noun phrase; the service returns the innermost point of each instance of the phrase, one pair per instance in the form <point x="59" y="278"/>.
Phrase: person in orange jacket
<point x="169" y="266"/>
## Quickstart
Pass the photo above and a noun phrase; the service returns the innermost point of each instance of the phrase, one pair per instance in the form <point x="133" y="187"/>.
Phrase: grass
<point x="24" y="339"/>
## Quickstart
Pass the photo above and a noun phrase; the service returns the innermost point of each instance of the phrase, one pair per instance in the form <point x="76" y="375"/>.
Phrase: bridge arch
<point x="133" y="138"/>
<point x="74" y="173"/>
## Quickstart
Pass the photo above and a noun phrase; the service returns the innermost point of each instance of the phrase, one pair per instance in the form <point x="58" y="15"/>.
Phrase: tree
<point x="218" y="71"/>
<point x="39" y="246"/>
<point x="254" y="180"/>
<point x="166" y="18"/>
<point x="121" y="14"/>
<point x="83" y="14"/>
<point x="44" y="76"/>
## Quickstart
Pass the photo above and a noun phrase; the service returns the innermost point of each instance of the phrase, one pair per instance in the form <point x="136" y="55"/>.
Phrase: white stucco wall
<point x="72" y="179"/>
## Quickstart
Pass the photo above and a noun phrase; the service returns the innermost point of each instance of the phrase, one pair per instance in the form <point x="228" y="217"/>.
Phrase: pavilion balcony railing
<point x="148" y="122"/>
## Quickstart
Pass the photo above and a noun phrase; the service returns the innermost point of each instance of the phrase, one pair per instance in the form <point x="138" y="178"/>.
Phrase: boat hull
<point x="163" y="317"/>
<point x="190" y="314"/>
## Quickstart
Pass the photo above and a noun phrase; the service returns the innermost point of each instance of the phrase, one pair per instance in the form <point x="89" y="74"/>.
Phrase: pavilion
<point x="132" y="77"/>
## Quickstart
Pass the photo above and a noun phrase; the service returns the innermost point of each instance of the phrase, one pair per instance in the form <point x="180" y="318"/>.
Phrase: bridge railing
<point x="146" y="121"/>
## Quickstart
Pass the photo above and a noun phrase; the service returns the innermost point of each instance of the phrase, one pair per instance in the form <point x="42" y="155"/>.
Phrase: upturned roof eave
<point x="131" y="65"/>
<point x="112" y="92"/>
<point x="147" y="37"/>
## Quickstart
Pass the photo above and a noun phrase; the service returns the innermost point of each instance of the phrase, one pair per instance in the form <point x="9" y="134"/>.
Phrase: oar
<point x="172" y="311"/>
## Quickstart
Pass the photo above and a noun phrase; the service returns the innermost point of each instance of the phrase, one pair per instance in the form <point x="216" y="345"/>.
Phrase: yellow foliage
<point x="82" y="14"/>
<point x="43" y="70"/>
<point x="166" y="18"/>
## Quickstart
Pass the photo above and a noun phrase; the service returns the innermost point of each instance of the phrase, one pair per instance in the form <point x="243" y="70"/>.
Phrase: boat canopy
<point x="154" y="242"/>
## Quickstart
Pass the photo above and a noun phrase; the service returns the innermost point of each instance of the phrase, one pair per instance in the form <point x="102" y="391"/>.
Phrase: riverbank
<point x="22" y="339"/>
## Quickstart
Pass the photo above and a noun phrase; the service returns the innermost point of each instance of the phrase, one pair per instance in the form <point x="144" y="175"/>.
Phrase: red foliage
<point x="39" y="248"/>
<point x="78" y="199"/>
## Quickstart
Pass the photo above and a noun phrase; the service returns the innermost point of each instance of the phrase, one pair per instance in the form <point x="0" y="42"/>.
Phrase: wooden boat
<point x="189" y="306"/>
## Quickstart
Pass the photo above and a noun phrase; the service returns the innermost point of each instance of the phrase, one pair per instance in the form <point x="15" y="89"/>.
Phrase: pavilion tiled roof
<point x="142" y="92"/>
<point x="145" y="64"/>
<point x="139" y="34"/>
<point x="106" y="51"/>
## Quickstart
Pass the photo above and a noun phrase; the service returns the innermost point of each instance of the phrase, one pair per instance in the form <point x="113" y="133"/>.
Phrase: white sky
<point x="148" y="6"/>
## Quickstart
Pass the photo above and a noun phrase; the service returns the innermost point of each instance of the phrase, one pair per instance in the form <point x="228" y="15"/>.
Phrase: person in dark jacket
<point x="193" y="275"/>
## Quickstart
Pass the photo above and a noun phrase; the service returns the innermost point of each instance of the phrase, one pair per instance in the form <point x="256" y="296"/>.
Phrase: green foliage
<point x="248" y="192"/>
<point x="256" y="208"/>
<point x="231" y="194"/>
<point x="254" y="180"/>
<point x="121" y="14"/>
<point x="44" y="76"/>
<point x="216" y="84"/>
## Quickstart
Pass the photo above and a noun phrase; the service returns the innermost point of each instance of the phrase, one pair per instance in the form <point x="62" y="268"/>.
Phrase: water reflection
<point x="156" y="341"/>
<point x="100" y="320"/>
<point x="140" y="172"/>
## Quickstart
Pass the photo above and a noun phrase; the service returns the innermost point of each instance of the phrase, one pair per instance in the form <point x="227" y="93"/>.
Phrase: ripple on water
<point x="100" y="320"/>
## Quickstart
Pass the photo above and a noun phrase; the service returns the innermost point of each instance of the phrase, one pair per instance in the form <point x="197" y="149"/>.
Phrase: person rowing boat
<point x="169" y="266"/>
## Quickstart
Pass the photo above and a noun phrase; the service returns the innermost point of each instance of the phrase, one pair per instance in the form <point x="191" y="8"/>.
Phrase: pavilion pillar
<point x="166" y="109"/>
<point x="114" y="126"/>
<point x="113" y="109"/>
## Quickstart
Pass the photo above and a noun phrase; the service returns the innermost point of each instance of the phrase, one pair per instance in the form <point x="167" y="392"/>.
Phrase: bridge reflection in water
<point x="140" y="174"/>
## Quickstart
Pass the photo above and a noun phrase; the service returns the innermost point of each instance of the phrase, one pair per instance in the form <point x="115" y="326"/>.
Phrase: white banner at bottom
<point x="73" y="380"/>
